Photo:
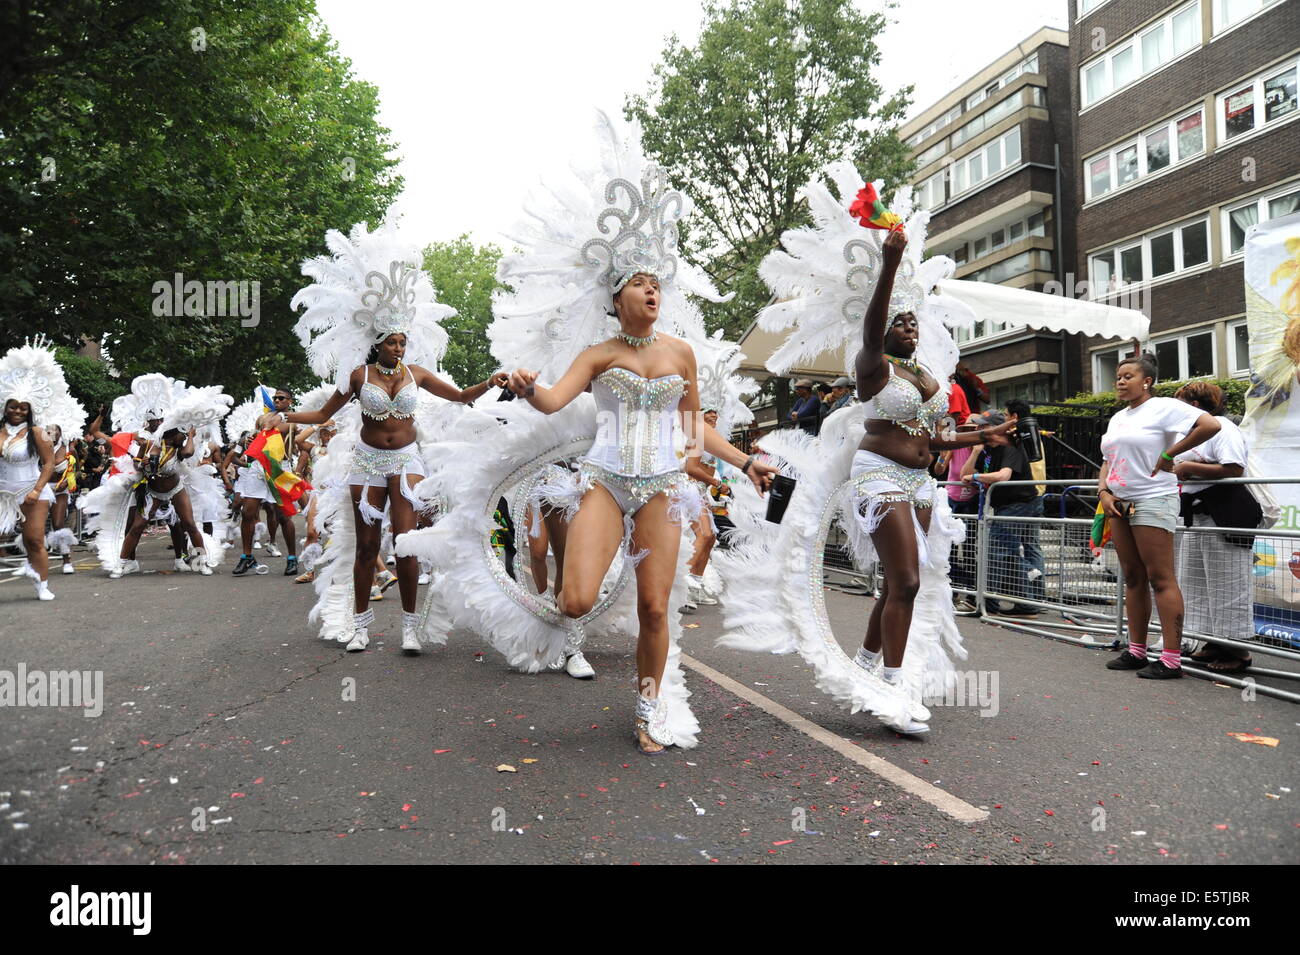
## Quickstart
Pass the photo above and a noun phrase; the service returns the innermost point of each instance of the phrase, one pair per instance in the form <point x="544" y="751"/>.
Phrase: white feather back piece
<point x="243" y="419"/>
<point x="558" y="301"/>
<point x="151" y="396"/>
<point x="370" y="285"/>
<point x="199" y="408"/>
<point x="825" y="275"/>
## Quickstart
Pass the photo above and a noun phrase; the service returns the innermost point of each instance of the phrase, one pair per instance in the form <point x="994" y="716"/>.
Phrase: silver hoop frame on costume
<point x="815" y="591"/>
<point x="515" y="488"/>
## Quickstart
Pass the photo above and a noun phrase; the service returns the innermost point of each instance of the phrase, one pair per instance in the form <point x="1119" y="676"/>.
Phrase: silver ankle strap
<point x="364" y="619"/>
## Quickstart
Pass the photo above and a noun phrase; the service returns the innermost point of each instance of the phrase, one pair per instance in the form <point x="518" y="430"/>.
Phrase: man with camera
<point x="1005" y="458"/>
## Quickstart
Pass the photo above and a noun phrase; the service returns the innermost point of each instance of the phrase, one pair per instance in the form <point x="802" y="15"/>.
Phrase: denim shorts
<point x="1161" y="512"/>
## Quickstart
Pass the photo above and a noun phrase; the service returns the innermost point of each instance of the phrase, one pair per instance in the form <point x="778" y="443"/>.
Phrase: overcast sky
<point x="482" y="97"/>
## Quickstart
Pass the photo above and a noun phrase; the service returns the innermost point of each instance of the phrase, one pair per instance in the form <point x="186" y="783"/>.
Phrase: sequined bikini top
<point x="376" y="404"/>
<point x="900" y="402"/>
<point x="635" y="417"/>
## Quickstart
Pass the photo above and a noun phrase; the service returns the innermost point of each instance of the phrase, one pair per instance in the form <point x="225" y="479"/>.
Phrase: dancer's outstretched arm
<point x="869" y="365"/>
<point x="435" y="385"/>
<point x="571" y="384"/>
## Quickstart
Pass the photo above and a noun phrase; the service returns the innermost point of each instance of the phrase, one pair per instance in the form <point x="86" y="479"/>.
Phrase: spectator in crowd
<point x="958" y="404"/>
<point x="1015" y="552"/>
<point x="1018" y="408"/>
<point x="1139" y="494"/>
<point x="1215" y="569"/>
<point x="841" y="393"/>
<point x="977" y="393"/>
<point x="963" y="497"/>
<point x="807" y="407"/>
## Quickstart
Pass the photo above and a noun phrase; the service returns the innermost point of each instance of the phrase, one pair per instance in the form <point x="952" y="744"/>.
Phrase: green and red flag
<point x="267" y="449"/>
<point x="1100" y="530"/>
<point x="871" y="212"/>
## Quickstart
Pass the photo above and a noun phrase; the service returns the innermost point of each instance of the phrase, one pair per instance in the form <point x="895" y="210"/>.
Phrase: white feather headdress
<point x="585" y="235"/>
<point x="825" y="277"/>
<point x="372" y="285"/>
<point x="722" y="387"/>
<point x="32" y="374"/>
<point x="243" y="419"/>
<point x="151" y="396"/>
<point x="199" y="408"/>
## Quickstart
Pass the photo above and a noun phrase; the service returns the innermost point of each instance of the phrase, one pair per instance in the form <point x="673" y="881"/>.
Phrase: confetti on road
<point x="1252" y="738"/>
<point x="506" y="768"/>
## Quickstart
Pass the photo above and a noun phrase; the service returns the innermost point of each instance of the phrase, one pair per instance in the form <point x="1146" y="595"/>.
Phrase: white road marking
<point x="945" y="802"/>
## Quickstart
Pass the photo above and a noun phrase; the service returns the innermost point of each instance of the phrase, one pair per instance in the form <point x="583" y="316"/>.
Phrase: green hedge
<point x="1104" y="403"/>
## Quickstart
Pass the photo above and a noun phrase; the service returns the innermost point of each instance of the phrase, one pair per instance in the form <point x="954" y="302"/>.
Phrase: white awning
<point x="1056" y="313"/>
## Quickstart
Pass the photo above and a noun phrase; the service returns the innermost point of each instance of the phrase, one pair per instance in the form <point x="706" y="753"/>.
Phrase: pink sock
<point x="1138" y="650"/>
<point x="1171" y="659"/>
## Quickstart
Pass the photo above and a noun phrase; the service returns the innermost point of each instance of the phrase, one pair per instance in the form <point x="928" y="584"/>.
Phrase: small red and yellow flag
<point x="1100" y="535"/>
<point x="871" y="212"/>
<point x="267" y="449"/>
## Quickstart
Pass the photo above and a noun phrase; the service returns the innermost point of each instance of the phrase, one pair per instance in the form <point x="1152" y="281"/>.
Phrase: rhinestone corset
<point x="900" y="402"/>
<point x="376" y="404"/>
<point x="634" y="422"/>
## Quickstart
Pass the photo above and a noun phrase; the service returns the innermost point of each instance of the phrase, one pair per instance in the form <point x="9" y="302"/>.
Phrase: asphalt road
<point x="230" y="734"/>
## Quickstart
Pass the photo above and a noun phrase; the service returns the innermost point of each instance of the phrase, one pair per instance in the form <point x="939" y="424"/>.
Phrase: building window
<point x="934" y="152"/>
<point x="1186" y="356"/>
<point x="1228" y="13"/>
<point x="1268" y="98"/>
<point x="1033" y="260"/>
<point x="1087" y="6"/>
<point x="996" y="113"/>
<point x="1015" y="231"/>
<point x="959" y="254"/>
<point x="1238" y="219"/>
<point x="929" y="194"/>
<point x="1170" y="143"/>
<point x="1128" y="62"/>
<point x="1155" y="256"/>
<point x="1006" y="235"/>
<point x="1105" y="365"/>
<point x="1238" y="350"/>
<point x="1037" y="224"/>
<point x="982" y="330"/>
<point x="1002" y="153"/>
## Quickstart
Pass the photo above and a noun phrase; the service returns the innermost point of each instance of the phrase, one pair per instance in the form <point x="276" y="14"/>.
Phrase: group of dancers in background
<point x="603" y="434"/>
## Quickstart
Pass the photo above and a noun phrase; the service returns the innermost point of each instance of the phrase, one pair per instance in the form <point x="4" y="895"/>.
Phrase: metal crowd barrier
<point x="1039" y="575"/>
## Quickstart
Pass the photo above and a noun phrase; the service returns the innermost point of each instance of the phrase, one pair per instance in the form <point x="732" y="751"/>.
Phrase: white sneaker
<point x="199" y="563"/>
<point x="689" y="606"/>
<point x="424" y="579"/>
<point x="272" y="550"/>
<point x="68" y="567"/>
<point x="43" y="590"/>
<point x="125" y="567"/>
<point x="410" y="626"/>
<point x="180" y="566"/>
<point x="907" y="726"/>
<point x="261" y="569"/>
<point x="578" y="667"/>
<point x="257" y="545"/>
<point x="360" y="640"/>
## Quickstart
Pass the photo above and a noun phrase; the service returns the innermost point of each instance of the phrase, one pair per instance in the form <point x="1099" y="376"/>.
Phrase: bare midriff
<point x="887" y="439"/>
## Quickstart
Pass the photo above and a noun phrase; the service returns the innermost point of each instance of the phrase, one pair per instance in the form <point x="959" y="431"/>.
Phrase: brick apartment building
<point x="996" y="167"/>
<point x="1187" y="134"/>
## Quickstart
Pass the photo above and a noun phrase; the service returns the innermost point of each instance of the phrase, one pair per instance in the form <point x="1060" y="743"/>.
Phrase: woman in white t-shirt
<point x="1214" y="570"/>
<point x="1139" y="494"/>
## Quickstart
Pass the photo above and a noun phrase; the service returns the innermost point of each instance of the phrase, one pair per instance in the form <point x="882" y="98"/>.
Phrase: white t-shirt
<point x="1226" y="447"/>
<point x="1133" y="442"/>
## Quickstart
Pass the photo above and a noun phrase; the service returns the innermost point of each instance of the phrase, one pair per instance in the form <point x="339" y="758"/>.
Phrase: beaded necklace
<point x="636" y="342"/>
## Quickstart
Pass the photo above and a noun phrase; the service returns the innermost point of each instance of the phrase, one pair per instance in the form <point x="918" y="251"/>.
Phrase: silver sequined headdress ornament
<point x="646" y="241"/>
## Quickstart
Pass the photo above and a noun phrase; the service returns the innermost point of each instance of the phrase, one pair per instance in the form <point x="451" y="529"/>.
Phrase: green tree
<point x="465" y="277"/>
<point x="144" y="138"/>
<point x="773" y="91"/>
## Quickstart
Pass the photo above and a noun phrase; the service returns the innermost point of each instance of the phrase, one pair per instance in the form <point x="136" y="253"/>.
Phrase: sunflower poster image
<point x="1272" y="422"/>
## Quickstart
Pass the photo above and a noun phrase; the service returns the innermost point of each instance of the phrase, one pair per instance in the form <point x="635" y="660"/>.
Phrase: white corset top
<point x="17" y="463"/>
<point x="376" y="404"/>
<point x="634" y="422"/>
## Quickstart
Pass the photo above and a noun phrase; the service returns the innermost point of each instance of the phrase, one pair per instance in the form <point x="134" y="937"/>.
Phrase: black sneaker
<point x="291" y="567"/>
<point x="1158" y="671"/>
<point x="1127" y="661"/>
<point x="245" y="564"/>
